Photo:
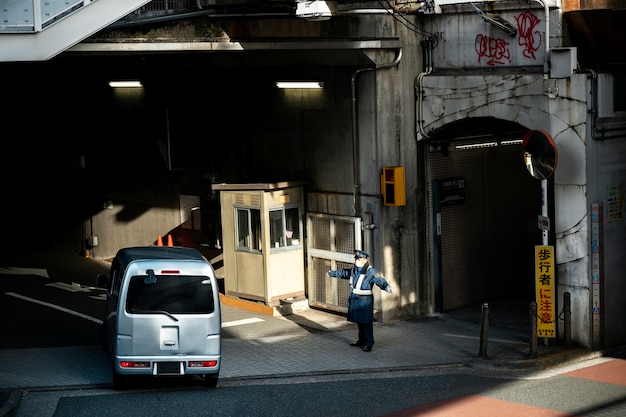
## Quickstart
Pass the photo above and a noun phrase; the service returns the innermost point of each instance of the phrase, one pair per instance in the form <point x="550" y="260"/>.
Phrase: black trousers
<point x="366" y="334"/>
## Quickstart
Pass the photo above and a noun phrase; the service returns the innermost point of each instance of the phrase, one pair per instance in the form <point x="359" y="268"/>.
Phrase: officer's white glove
<point x="388" y="289"/>
<point x="328" y="274"/>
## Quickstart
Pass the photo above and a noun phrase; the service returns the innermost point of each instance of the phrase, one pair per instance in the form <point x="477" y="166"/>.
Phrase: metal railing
<point x="35" y="15"/>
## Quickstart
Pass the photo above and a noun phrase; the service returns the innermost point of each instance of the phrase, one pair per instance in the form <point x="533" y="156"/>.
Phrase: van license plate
<point x="168" y="368"/>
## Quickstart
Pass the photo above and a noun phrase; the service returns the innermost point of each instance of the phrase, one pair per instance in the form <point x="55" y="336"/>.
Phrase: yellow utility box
<point x="393" y="187"/>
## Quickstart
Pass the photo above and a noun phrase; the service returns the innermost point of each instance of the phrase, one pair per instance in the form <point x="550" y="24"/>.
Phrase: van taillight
<point x="201" y="364"/>
<point x="170" y="271"/>
<point x="129" y="364"/>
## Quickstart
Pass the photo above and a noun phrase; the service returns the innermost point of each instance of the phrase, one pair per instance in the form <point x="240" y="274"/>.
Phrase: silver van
<point x="162" y="314"/>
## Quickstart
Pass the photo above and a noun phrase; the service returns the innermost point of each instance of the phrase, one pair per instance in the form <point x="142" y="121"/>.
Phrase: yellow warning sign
<point x="544" y="287"/>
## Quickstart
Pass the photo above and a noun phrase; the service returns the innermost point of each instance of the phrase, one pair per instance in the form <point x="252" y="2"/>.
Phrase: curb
<point x="286" y="307"/>
<point x="541" y="363"/>
<point x="247" y="305"/>
<point x="10" y="406"/>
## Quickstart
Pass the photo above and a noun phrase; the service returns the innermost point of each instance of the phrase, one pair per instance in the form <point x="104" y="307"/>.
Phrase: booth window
<point x="285" y="227"/>
<point x="248" y="229"/>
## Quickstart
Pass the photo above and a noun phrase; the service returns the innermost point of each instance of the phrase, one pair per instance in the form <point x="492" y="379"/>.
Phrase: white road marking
<point x="101" y="297"/>
<point x="73" y="287"/>
<point x="56" y="307"/>
<point x="24" y="271"/>
<point x="241" y="322"/>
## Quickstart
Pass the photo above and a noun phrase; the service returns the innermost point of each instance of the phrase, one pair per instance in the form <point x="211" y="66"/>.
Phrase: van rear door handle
<point x="169" y="343"/>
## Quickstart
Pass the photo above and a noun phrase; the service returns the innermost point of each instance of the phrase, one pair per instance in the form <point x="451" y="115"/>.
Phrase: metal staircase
<point x="37" y="30"/>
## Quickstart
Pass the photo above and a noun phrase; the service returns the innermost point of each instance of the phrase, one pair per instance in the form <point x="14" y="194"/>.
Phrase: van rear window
<point x="179" y="294"/>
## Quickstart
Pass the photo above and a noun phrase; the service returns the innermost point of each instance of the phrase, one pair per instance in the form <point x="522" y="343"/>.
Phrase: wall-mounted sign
<point x="615" y="200"/>
<point x="597" y="271"/>
<point x="451" y="191"/>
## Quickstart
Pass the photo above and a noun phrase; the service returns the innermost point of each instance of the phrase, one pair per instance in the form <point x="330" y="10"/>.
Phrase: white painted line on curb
<point x="241" y="322"/>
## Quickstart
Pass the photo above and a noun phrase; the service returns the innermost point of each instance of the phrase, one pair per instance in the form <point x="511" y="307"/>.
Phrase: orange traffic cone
<point x="159" y="241"/>
<point x="169" y="240"/>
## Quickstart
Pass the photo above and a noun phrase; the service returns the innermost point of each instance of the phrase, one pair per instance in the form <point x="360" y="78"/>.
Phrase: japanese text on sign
<point x="544" y="287"/>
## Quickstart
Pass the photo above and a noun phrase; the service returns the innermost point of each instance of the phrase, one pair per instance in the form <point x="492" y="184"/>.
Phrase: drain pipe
<point x="428" y="68"/>
<point x="355" y="137"/>
<point x="546" y="11"/>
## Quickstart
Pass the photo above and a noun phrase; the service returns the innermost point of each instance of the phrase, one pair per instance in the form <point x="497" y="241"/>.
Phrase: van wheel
<point x="211" y="380"/>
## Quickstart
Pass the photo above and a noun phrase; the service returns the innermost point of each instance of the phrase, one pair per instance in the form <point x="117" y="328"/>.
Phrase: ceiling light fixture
<point x="511" y="142"/>
<point x="300" y="84"/>
<point x="125" y="84"/>
<point x="477" y="145"/>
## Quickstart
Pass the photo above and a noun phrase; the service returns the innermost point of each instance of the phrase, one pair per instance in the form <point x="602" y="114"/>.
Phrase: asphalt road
<point x="597" y="389"/>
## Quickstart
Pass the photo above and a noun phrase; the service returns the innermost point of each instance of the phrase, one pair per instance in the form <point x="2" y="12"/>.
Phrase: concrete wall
<point x="385" y="136"/>
<point x="136" y="219"/>
<point x="606" y="172"/>
<point x="567" y="107"/>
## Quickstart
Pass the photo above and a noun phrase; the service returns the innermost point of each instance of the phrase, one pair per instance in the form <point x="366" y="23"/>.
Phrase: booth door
<point x="250" y="275"/>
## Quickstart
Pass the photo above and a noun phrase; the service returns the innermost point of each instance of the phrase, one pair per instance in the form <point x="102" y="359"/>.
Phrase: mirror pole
<point x="544" y="209"/>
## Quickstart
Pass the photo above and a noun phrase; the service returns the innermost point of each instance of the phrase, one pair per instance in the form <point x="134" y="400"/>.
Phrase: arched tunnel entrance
<point x="483" y="213"/>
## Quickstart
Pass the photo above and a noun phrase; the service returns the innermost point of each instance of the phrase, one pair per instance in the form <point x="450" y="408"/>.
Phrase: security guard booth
<point x="262" y="234"/>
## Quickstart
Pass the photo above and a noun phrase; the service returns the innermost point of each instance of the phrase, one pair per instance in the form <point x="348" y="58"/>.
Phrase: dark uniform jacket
<point x="361" y="301"/>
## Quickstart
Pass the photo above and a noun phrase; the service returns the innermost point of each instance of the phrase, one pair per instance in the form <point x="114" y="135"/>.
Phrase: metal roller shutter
<point x="486" y="241"/>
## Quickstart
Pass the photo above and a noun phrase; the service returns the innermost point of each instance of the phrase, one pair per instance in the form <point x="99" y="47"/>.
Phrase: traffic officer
<point x="362" y="278"/>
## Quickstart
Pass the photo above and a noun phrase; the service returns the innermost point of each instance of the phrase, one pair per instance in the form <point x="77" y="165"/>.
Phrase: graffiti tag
<point x="494" y="50"/>
<point x="529" y="38"/>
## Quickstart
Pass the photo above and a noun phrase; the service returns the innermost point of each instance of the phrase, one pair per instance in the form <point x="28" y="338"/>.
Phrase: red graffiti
<point x="529" y="38"/>
<point x="495" y="50"/>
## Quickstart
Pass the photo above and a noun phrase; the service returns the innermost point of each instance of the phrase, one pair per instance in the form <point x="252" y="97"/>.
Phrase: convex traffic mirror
<point x="540" y="154"/>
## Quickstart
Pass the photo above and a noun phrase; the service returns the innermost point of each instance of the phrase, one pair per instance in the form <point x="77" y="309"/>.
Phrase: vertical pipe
<point x="426" y="56"/>
<point x="437" y="247"/>
<point x="355" y="133"/>
<point x="546" y="11"/>
<point x="567" y="320"/>
<point x="533" y="330"/>
<point x="368" y="231"/>
<point x="544" y="210"/>
<point x="484" y="330"/>
<point x="355" y="149"/>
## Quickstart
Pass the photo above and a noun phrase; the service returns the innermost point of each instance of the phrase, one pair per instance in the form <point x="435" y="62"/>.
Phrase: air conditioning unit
<point x="316" y="9"/>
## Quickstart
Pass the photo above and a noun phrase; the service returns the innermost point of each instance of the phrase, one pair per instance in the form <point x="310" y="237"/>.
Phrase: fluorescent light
<point x="125" y="84"/>
<point x="300" y="84"/>
<point x="477" y="145"/>
<point x="511" y="142"/>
